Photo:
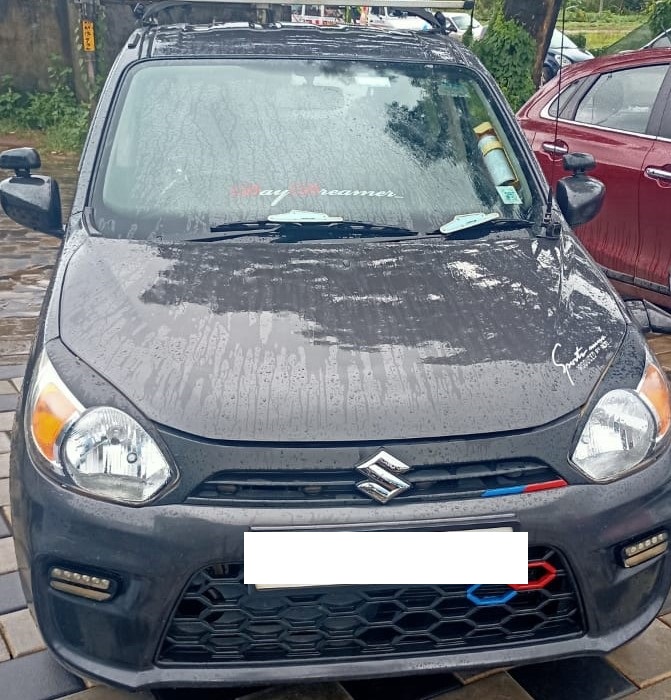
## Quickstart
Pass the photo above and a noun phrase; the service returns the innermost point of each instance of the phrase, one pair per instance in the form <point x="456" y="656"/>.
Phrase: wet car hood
<point x="355" y="341"/>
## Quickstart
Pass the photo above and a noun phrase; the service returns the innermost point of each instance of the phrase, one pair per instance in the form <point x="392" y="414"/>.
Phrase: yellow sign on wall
<point x="88" y="35"/>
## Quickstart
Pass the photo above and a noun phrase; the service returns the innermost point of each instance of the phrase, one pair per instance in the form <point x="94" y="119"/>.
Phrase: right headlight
<point x="624" y="427"/>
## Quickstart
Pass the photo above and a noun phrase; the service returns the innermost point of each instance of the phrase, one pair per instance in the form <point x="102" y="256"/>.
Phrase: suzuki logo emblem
<point x="383" y="482"/>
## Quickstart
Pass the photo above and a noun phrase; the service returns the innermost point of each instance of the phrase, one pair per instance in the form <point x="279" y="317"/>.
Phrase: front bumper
<point x="153" y="553"/>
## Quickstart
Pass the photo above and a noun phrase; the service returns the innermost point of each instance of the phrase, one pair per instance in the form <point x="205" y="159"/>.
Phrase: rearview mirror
<point x="31" y="200"/>
<point x="580" y="197"/>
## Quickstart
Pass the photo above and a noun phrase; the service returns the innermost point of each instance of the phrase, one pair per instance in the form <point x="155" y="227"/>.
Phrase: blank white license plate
<point x="301" y="559"/>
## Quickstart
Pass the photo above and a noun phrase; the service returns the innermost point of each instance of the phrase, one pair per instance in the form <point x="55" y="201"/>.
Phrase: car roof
<point x="616" y="62"/>
<point x="302" y="41"/>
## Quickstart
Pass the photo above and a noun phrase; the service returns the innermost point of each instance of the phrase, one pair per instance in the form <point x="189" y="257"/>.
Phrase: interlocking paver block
<point x="4" y="465"/>
<point x="6" y="387"/>
<point x="646" y="659"/>
<point x="4" y="527"/>
<point x="8" y="403"/>
<point x="9" y="371"/>
<point x="21" y="633"/>
<point x="659" y="691"/>
<point x="4" y="651"/>
<point x="36" y="677"/>
<point x="17" y="382"/>
<point x="4" y="492"/>
<point x="581" y="678"/>
<point x="7" y="513"/>
<point x="666" y="619"/>
<point x="4" y="442"/>
<point x="467" y="677"/>
<point x="498" y="687"/>
<point x="7" y="556"/>
<point x="101" y="692"/>
<point x="7" y="421"/>
<point x="311" y="691"/>
<point x="11" y="593"/>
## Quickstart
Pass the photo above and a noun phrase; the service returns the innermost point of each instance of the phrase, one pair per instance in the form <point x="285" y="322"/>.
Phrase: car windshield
<point x="558" y="40"/>
<point x="197" y="145"/>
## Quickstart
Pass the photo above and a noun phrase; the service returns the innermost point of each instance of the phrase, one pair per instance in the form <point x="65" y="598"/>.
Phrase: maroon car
<point x="617" y="108"/>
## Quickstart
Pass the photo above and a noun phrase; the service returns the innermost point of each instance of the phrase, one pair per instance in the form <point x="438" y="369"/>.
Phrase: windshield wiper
<point x="308" y="228"/>
<point x="478" y="223"/>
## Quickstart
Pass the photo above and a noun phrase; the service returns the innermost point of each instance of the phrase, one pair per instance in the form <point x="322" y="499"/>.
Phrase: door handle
<point x="554" y="148"/>
<point x="658" y="174"/>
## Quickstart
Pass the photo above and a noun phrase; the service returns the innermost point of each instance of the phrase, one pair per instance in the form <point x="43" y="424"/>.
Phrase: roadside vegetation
<point x="593" y="24"/>
<point x="60" y="118"/>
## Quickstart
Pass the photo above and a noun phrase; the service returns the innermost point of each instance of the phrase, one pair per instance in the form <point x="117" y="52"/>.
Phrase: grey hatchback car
<point x="311" y="281"/>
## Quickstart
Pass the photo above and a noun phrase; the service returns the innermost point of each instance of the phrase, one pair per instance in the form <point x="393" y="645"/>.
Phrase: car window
<point x="623" y="99"/>
<point x="661" y="42"/>
<point x="563" y="103"/>
<point x="463" y="22"/>
<point x="390" y="144"/>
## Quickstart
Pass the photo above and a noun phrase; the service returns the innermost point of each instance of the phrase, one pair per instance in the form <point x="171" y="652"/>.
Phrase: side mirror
<point x="580" y="197"/>
<point x="31" y="200"/>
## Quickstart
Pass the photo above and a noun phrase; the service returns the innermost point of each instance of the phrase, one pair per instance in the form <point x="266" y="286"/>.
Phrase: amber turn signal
<point x="52" y="412"/>
<point x="655" y="389"/>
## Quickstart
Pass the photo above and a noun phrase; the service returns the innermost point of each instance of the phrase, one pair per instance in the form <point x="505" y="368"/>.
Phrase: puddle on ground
<point x="26" y="261"/>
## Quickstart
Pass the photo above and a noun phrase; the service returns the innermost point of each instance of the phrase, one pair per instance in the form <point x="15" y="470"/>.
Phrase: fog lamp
<point x="81" y="584"/>
<point x="644" y="549"/>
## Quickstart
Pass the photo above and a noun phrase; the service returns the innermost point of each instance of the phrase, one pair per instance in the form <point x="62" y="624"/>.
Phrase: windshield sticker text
<point x="581" y="358"/>
<point x="305" y="190"/>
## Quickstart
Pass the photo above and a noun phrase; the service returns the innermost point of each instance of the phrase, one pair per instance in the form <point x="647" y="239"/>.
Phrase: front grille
<point x="220" y="620"/>
<point x="328" y="488"/>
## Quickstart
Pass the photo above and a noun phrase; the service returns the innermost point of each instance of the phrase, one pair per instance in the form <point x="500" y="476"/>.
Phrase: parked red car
<point x="618" y="109"/>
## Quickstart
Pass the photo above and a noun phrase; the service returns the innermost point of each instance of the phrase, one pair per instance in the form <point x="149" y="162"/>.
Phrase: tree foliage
<point x="509" y="51"/>
<point x="660" y="15"/>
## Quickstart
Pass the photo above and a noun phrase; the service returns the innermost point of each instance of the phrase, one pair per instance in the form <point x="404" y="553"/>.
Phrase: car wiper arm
<point x="236" y="230"/>
<point x="293" y="229"/>
<point x="478" y="223"/>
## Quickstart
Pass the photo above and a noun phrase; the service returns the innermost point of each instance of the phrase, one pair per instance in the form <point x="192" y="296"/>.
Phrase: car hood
<point x="574" y="55"/>
<point x="360" y="341"/>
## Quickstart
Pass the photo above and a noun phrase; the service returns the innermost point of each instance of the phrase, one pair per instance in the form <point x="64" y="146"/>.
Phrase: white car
<point x="462" y="21"/>
<point x="395" y="18"/>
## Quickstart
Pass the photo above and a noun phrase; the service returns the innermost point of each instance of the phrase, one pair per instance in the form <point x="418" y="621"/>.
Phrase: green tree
<point x="660" y="15"/>
<point x="515" y="44"/>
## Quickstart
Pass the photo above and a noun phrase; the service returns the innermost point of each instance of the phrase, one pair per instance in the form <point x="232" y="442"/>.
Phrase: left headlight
<point x="624" y="427"/>
<point x="102" y="450"/>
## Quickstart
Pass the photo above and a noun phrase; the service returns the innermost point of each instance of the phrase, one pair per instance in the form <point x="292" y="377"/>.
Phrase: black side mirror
<point x="580" y="197"/>
<point x="31" y="200"/>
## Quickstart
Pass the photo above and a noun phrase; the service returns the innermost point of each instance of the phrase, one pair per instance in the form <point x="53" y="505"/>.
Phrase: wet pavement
<point x="640" y="670"/>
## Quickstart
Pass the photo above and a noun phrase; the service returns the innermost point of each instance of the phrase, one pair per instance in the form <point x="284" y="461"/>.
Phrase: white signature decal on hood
<point x="582" y="357"/>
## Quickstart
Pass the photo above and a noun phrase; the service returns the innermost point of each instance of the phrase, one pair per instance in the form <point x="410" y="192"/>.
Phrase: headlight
<point x="563" y="61"/>
<point x="624" y="427"/>
<point x="101" y="450"/>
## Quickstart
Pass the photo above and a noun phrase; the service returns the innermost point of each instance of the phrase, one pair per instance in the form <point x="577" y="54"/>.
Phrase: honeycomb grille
<point x="220" y="620"/>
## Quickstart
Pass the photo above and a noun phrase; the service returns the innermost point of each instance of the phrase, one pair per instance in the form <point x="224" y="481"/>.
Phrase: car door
<point x="608" y="118"/>
<point x="653" y="266"/>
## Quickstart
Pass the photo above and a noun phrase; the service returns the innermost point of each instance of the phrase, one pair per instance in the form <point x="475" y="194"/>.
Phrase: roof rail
<point x="146" y="11"/>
